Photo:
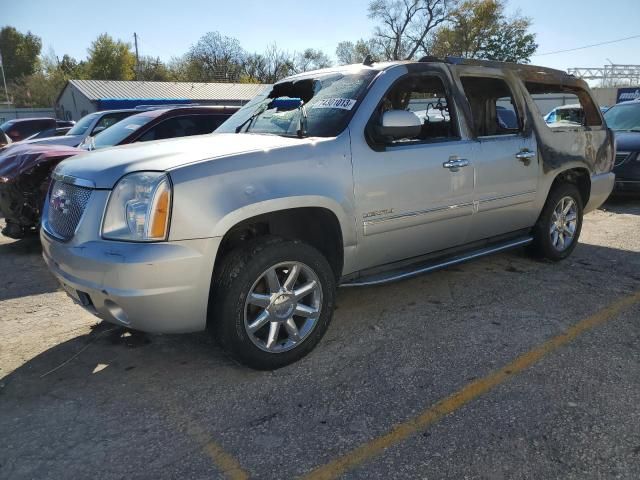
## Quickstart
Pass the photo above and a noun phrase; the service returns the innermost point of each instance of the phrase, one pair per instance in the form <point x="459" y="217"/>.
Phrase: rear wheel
<point x="558" y="229"/>
<point x="272" y="302"/>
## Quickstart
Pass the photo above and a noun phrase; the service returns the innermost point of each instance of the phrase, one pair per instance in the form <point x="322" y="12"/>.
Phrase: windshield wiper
<point x="302" y="125"/>
<point x="253" y="116"/>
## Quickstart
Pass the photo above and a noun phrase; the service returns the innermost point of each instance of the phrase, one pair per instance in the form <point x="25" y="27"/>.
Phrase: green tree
<point x="153" y="69"/>
<point x="480" y="29"/>
<point x="19" y="53"/>
<point x="71" y="68"/>
<point x="110" y="59"/>
<point x="41" y="89"/>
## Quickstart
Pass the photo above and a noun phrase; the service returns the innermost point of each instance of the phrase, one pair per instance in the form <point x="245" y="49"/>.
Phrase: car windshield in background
<point x="624" y="117"/>
<point x="119" y="131"/>
<point x="566" y="115"/>
<point x="316" y="106"/>
<point x="83" y="124"/>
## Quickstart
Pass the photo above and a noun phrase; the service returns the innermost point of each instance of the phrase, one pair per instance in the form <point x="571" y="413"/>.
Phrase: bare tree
<point x="311" y="59"/>
<point x="349" y="52"/>
<point x="215" y="58"/>
<point x="406" y="26"/>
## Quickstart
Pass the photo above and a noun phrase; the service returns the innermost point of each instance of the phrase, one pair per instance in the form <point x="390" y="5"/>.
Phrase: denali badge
<point x="377" y="213"/>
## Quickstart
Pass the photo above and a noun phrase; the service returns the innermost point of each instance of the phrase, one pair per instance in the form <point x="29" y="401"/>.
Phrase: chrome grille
<point x="621" y="158"/>
<point x="66" y="204"/>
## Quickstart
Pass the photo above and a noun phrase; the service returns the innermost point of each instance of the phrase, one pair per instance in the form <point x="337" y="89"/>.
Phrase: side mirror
<point x="399" y="124"/>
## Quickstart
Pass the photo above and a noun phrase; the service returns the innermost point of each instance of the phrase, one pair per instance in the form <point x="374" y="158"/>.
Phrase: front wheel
<point x="558" y="229"/>
<point x="272" y="302"/>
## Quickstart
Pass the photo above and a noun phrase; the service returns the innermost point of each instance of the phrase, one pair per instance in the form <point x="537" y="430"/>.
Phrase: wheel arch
<point x="575" y="175"/>
<point x="318" y="223"/>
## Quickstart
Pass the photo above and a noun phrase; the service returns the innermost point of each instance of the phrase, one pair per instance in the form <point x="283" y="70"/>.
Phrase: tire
<point x="550" y="240"/>
<point x="244" y="325"/>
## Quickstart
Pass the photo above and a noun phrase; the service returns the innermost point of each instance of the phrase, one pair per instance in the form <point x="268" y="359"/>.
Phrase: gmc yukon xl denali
<point x="356" y="175"/>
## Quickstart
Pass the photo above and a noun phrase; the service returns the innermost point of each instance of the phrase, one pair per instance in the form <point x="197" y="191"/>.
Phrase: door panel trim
<point x="412" y="219"/>
<point x="494" y="203"/>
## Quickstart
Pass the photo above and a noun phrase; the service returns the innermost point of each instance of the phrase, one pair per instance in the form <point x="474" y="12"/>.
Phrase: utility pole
<point x="4" y="80"/>
<point x="135" y="41"/>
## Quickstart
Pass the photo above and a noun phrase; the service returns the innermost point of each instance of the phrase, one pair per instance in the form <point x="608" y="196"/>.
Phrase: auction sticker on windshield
<point x="341" y="103"/>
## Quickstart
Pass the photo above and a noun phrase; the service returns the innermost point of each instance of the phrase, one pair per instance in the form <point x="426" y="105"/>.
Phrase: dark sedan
<point x="624" y="120"/>
<point x="22" y="128"/>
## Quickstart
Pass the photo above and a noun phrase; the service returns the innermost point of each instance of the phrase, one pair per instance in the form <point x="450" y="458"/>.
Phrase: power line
<point x="587" y="46"/>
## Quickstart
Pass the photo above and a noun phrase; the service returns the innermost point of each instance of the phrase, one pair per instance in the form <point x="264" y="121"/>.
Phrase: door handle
<point x="455" y="163"/>
<point x="525" y="156"/>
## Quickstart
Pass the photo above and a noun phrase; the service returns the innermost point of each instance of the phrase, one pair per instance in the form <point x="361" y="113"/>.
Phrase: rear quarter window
<point x="564" y="107"/>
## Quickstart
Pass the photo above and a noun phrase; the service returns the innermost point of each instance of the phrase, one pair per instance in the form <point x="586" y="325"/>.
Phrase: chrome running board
<point x="409" y="272"/>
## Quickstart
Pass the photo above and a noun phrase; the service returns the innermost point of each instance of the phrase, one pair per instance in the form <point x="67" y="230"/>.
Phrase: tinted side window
<point x="26" y="129"/>
<point x="181" y="127"/>
<point x="493" y="106"/>
<point x="564" y="107"/>
<point x="109" y="119"/>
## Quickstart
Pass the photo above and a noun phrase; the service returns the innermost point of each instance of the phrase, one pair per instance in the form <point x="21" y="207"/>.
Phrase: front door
<point x="413" y="195"/>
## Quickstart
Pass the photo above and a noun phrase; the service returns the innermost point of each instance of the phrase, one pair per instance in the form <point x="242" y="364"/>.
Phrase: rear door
<point x="506" y="160"/>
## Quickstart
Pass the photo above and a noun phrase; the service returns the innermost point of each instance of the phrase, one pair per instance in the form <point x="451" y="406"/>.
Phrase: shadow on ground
<point x="22" y="269"/>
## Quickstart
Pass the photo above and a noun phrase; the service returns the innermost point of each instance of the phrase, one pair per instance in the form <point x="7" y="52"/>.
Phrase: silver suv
<point x="356" y="175"/>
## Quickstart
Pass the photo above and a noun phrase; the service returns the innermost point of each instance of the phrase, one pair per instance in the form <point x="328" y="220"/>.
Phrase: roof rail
<point x="165" y="105"/>
<point x="430" y="59"/>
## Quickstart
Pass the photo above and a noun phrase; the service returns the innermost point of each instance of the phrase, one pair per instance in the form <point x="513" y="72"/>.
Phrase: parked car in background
<point x="24" y="178"/>
<point x="161" y="123"/>
<point x="22" y="128"/>
<point x="87" y="126"/>
<point x="25" y="168"/>
<point x="328" y="177"/>
<point x="565" y="115"/>
<point x="4" y="139"/>
<point x="624" y="120"/>
<point x="50" y="133"/>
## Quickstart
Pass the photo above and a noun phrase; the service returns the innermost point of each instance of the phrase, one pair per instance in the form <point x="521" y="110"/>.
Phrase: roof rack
<point x="494" y="63"/>
<point x="165" y="105"/>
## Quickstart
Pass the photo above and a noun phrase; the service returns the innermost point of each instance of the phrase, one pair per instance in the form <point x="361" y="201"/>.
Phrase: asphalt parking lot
<point x="503" y="368"/>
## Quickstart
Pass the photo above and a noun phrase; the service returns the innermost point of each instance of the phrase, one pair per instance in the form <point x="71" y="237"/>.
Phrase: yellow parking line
<point x="470" y="392"/>
<point x="229" y="466"/>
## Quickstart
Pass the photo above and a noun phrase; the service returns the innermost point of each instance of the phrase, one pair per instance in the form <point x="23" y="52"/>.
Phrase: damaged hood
<point x="67" y="140"/>
<point x="105" y="167"/>
<point x="20" y="158"/>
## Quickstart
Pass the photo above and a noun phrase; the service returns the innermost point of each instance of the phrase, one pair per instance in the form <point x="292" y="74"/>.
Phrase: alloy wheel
<point x="564" y="222"/>
<point x="283" y="307"/>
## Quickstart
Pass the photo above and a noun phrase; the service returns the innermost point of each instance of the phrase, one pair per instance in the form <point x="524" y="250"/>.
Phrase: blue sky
<point x="168" y="28"/>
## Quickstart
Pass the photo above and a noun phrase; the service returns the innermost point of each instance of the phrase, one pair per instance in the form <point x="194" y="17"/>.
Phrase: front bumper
<point x="152" y="287"/>
<point x="601" y="188"/>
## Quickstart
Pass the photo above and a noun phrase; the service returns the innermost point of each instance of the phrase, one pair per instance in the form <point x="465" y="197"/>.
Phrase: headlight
<point x="139" y="208"/>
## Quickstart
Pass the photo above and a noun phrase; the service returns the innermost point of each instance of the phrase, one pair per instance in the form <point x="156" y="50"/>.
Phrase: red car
<point x="25" y="169"/>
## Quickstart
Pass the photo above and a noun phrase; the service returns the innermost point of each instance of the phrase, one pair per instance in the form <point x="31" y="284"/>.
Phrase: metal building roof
<point x="97" y="89"/>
